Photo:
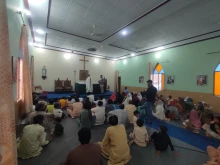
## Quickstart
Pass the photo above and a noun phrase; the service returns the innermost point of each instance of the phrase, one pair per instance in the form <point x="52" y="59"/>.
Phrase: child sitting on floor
<point x="50" y="106"/>
<point x="193" y="122"/>
<point x="135" y="118"/>
<point x="139" y="135"/>
<point x="58" y="130"/>
<point x="57" y="112"/>
<point x="213" y="129"/>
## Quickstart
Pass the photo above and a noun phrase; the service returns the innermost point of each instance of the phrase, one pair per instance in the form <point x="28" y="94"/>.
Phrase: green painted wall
<point x="185" y="63"/>
<point x="14" y="26"/>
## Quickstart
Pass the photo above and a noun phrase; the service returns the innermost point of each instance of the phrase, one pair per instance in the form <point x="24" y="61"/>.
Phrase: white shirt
<point x="89" y="86"/>
<point x="121" y="114"/>
<point x="57" y="113"/>
<point x="99" y="112"/>
<point x="104" y="102"/>
<point x="91" y="98"/>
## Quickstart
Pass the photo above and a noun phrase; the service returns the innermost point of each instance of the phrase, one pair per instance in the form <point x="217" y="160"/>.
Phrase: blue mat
<point x="186" y="136"/>
<point x="53" y="95"/>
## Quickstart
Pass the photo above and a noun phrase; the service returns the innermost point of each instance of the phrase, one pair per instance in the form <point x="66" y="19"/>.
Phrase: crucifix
<point x="84" y="62"/>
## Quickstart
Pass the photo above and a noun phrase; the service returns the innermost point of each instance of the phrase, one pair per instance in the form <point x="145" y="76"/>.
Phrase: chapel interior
<point x="52" y="50"/>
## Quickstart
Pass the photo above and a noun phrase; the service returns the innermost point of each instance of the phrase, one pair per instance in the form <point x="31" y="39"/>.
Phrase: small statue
<point x="44" y="72"/>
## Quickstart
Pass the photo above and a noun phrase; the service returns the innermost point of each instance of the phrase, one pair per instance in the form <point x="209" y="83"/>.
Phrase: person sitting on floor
<point x="160" y="111"/>
<point x="32" y="139"/>
<point x="121" y="114"/>
<point x="193" y="122"/>
<point x="139" y="97"/>
<point x="73" y="99"/>
<point x="50" y="106"/>
<point x="174" y="113"/>
<point x="40" y="109"/>
<point x="101" y="98"/>
<point x="85" y="154"/>
<point x="139" y="135"/>
<point x="169" y="99"/>
<point x="135" y="118"/>
<point x="76" y="108"/>
<point x="91" y="97"/>
<point x="109" y="106"/>
<point x="177" y="104"/>
<point x="57" y="112"/>
<point x="135" y="100"/>
<point x="63" y="102"/>
<point x="115" y="144"/>
<point x="162" y="140"/>
<point x="85" y="118"/>
<point x="162" y="99"/>
<point x="69" y="102"/>
<point x="214" y="129"/>
<point x="130" y="108"/>
<point x="126" y="90"/>
<point x="99" y="113"/>
<point x="58" y="130"/>
<point x="214" y="155"/>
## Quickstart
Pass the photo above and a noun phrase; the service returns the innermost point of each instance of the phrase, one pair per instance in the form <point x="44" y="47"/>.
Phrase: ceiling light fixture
<point x="27" y="12"/>
<point x="160" y="48"/>
<point x="96" y="60"/>
<point x="124" y="32"/>
<point x="67" y="56"/>
<point x="40" y="31"/>
<point x="132" y="54"/>
<point x="115" y="59"/>
<point x="157" y="55"/>
<point x="37" y="39"/>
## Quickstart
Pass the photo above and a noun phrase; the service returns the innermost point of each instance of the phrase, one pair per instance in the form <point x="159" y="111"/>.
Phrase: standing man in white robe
<point x="89" y="86"/>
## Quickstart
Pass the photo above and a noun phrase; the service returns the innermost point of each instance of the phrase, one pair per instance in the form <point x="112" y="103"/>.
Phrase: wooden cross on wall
<point x="84" y="62"/>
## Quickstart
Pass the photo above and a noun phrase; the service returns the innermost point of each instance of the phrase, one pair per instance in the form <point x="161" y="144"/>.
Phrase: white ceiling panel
<point x="192" y="20"/>
<point x="87" y="13"/>
<point x="173" y="23"/>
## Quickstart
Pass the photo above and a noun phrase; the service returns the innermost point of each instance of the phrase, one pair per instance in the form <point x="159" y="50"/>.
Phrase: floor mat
<point x="187" y="136"/>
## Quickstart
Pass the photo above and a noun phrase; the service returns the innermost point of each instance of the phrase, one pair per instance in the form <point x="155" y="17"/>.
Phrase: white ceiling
<point x="68" y="24"/>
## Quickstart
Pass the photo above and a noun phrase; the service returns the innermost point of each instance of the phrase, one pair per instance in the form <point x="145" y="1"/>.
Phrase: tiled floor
<point x="57" y="151"/>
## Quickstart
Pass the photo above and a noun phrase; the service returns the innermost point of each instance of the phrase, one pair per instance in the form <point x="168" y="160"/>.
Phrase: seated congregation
<point x="119" y="111"/>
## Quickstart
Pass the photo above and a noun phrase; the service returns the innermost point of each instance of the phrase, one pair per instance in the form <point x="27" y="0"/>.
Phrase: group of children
<point x="89" y="112"/>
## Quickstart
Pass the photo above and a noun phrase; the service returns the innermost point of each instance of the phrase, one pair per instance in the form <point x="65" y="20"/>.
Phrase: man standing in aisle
<point x="150" y="96"/>
<point x="101" y="84"/>
<point x="89" y="85"/>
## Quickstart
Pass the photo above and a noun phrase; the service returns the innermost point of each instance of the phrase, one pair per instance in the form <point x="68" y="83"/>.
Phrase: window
<point x="19" y="79"/>
<point x="158" y="77"/>
<point x="217" y="81"/>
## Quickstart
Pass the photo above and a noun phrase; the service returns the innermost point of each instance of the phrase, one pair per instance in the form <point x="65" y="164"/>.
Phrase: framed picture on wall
<point x="141" y="79"/>
<point x="83" y="74"/>
<point x="201" y="80"/>
<point x="170" y="80"/>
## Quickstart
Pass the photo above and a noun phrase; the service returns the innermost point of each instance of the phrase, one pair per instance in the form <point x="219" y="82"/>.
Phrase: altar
<point x="80" y="88"/>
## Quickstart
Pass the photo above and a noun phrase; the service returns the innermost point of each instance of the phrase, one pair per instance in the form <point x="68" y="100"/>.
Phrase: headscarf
<point x="194" y="118"/>
<point x="129" y="96"/>
<point x="139" y="96"/>
<point x="113" y="97"/>
<point x="159" y="102"/>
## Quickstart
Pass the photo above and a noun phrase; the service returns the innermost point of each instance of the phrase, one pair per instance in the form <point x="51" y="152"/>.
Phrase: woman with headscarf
<point x="139" y="97"/>
<point x="193" y="123"/>
<point x="128" y="98"/>
<point x="160" y="111"/>
<point x="162" y="140"/>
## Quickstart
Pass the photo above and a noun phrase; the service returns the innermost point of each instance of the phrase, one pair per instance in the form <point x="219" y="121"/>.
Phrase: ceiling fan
<point x="93" y="33"/>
